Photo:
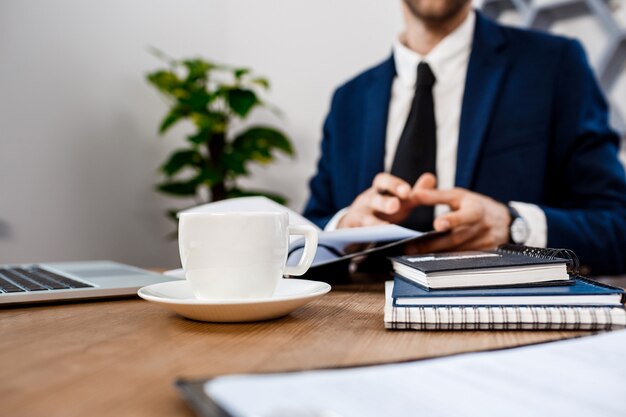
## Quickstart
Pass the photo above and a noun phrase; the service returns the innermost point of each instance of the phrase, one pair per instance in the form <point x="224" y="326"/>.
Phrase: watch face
<point x="519" y="231"/>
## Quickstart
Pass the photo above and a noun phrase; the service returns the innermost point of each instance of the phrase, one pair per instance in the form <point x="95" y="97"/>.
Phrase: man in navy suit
<point x="491" y="133"/>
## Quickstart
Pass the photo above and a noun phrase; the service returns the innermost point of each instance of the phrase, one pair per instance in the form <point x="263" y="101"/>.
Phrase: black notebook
<point x="507" y="265"/>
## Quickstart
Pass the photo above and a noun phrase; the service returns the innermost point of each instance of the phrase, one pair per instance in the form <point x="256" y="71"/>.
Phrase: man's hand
<point x="475" y="221"/>
<point x="388" y="200"/>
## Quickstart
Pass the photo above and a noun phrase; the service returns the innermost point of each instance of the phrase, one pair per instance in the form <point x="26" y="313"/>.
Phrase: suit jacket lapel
<point x="374" y="123"/>
<point x="487" y="66"/>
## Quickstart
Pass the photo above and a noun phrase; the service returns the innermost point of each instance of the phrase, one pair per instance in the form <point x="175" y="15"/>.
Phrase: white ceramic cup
<point x="240" y="255"/>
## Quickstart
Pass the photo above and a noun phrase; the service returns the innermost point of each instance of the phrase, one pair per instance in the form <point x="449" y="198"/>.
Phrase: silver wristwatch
<point x="518" y="229"/>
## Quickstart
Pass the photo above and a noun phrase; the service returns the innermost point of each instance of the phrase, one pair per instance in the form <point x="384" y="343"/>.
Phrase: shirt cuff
<point x="334" y="221"/>
<point x="535" y="218"/>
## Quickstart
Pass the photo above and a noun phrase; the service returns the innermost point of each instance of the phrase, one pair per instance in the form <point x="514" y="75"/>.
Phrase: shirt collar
<point x="458" y="41"/>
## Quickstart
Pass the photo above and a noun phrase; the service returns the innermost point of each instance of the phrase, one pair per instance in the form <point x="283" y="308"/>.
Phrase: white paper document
<point x="583" y="377"/>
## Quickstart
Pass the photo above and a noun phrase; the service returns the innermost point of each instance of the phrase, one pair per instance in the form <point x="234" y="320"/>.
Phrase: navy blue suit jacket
<point x="534" y="128"/>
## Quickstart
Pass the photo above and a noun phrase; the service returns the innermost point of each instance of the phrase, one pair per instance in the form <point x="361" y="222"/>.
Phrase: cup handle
<point x="310" y="247"/>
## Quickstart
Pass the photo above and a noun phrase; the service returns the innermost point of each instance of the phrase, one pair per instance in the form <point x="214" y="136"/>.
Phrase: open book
<point x="334" y="244"/>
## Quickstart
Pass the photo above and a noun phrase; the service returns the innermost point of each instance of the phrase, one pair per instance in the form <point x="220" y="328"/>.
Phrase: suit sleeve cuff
<point x="334" y="221"/>
<point x="535" y="218"/>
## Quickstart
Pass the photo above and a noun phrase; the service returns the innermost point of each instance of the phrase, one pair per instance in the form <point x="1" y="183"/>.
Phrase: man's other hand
<point x="388" y="200"/>
<point x="475" y="221"/>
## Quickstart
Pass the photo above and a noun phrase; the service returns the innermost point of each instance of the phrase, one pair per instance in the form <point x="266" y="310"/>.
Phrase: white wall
<point x="78" y="143"/>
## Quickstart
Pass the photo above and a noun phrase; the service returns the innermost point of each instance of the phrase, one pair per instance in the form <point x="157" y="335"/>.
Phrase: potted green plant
<point x="212" y="97"/>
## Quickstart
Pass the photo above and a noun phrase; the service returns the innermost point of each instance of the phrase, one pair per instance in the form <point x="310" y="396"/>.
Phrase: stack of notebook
<point x="509" y="288"/>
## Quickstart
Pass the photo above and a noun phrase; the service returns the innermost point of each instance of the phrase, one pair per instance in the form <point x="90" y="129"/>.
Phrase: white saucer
<point x="290" y="295"/>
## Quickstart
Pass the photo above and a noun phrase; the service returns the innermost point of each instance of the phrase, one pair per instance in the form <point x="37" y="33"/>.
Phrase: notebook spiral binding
<point x="573" y="264"/>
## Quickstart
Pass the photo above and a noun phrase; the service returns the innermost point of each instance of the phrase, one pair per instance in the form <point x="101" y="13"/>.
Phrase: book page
<point x="580" y="377"/>
<point x="339" y="239"/>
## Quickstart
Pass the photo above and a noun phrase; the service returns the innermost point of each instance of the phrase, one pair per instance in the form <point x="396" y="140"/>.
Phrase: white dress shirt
<point x="448" y="61"/>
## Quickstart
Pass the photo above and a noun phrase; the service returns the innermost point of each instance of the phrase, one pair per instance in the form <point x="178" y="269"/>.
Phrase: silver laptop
<point x="33" y="283"/>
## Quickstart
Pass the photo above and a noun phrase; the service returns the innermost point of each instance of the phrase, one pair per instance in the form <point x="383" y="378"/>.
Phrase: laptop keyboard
<point x="35" y="278"/>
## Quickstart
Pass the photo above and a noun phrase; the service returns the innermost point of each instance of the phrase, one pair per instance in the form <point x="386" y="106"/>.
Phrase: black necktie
<point x="417" y="148"/>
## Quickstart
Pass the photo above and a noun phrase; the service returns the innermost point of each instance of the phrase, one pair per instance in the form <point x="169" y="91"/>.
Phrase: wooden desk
<point x="121" y="357"/>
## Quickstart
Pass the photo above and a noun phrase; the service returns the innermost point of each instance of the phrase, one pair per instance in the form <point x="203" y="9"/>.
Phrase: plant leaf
<point x="209" y="176"/>
<point x="258" y="143"/>
<point x="263" y="82"/>
<point x="176" y="114"/>
<point x="197" y="69"/>
<point x="235" y="163"/>
<point x="210" y="121"/>
<point x="172" y="214"/>
<point x="240" y="72"/>
<point x="180" y="159"/>
<point x="237" y="192"/>
<point x="179" y="188"/>
<point x="240" y="101"/>
<point x="165" y="81"/>
<point x="201" y="137"/>
<point x="156" y="52"/>
<point x="196" y="99"/>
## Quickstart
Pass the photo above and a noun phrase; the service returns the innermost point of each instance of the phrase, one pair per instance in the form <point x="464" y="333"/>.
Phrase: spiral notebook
<point x="501" y="317"/>
<point x="506" y="265"/>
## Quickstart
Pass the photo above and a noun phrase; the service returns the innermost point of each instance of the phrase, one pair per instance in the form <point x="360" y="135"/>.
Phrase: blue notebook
<point x="582" y="292"/>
